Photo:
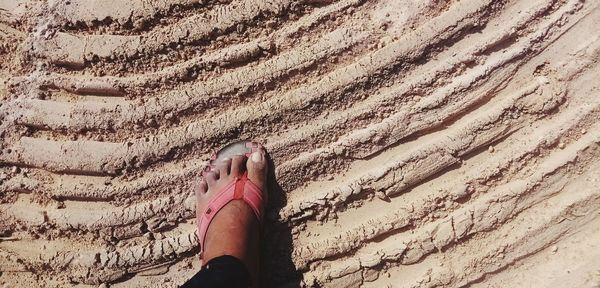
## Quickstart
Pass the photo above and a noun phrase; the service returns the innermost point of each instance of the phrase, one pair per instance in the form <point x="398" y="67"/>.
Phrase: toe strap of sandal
<point x="240" y="189"/>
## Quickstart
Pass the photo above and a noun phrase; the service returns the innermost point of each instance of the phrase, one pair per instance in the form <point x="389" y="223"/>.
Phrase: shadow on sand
<point x="277" y="268"/>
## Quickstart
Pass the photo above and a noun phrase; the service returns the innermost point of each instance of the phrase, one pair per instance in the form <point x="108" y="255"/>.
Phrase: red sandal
<point x="239" y="189"/>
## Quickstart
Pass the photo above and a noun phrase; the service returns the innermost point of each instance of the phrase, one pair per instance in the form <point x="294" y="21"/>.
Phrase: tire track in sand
<point x="435" y="145"/>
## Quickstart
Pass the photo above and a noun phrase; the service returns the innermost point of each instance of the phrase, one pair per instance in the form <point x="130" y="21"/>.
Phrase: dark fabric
<point x="224" y="271"/>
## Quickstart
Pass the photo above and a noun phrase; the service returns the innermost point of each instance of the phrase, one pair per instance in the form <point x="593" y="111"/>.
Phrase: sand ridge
<point x="416" y="143"/>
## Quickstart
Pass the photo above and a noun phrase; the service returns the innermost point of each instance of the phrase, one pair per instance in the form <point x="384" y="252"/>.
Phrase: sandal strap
<point x="239" y="189"/>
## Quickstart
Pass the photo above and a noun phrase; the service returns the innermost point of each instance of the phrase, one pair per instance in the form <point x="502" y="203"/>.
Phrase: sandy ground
<point x="416" y="143"/>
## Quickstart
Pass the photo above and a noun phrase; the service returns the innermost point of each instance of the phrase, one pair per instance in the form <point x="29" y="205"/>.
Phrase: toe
<point x="200" y="196"/>
<point x="211" y="177"/>
<point x="202" y="188"/>
<point x="237" y="165"/>
<point x="224" y="166"/>
<point x="257" y="168"/>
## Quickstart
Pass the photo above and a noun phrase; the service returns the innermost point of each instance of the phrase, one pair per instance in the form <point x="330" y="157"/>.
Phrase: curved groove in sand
<point x="73" y="50"/>
<point x="107" y="157"/>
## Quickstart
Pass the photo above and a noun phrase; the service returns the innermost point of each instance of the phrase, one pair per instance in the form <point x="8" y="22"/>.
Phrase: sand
<point x="415" y="143"/>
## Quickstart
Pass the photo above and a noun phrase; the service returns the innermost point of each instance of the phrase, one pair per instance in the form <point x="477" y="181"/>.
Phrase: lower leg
<point x="236" y="236"/>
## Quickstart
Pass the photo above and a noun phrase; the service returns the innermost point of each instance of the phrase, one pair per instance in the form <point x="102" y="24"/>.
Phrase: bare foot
<point x="235" y="229"/>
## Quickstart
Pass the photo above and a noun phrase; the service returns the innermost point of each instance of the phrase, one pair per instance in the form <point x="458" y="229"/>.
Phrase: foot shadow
<point x="277" y="267"/>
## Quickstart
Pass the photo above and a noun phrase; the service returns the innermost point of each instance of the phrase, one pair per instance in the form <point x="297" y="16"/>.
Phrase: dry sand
<point x="416" y="143"/>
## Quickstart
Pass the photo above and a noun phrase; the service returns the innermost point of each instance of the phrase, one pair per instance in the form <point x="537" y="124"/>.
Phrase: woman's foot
<point x="234" y="230"/>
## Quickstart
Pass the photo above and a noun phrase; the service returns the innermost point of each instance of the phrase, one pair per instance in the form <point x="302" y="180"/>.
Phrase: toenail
<point x="256" y="156"/>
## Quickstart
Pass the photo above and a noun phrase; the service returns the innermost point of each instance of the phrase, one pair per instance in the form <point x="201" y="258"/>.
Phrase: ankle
<point x="237" y="236"/>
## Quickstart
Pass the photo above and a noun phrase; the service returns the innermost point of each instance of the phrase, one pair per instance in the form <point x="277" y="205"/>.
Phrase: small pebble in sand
<point x="151" y="122"/>
<point x="384" y="41"/>
<point x="562" y="145"/>
<point x="378" y="139"/>
<point x="583" y="131"/>
<point x="554" y="249"/>
<point x="491" y="149"/>
<point x="381" y="195"/>
<point x="103" y="285"/>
